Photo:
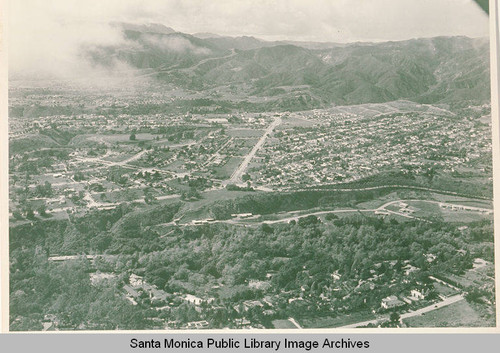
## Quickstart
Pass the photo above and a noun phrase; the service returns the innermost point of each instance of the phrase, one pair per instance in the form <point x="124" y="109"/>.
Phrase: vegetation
<point x="301" y="258"/>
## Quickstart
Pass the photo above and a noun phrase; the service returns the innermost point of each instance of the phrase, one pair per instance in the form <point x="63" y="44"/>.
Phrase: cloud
<point x="42" y="42"/>
<point x="175" y="43"/>
<point x="47" y="35"/>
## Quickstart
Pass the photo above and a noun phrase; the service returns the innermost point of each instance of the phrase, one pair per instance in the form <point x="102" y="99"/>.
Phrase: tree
<point x="42" y="210"/>
<point x="331" y="216"/>
<point x="28" y="212"/>
<point x="132" y="137"/>
<point x="148" y="197"/>
<point x="395" y="317"/>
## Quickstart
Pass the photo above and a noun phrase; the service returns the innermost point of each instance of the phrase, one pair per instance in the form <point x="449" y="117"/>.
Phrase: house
<point x="197" y="325"/>
<point x="263" y="285"/>
<point x="249" y="304"/>
<point x="131" y="291"/>
<point x="242" y="323"/>
<point x="391" y="302"/>
<point x="430" y="257"/>
<point x="417" y="294"/>
<point x="135" y="280"/>
<point x="409" y="269"/>
<point x="478" y="263"/>
<point x="335" y="275"/>
<point x="193" y="299"/>
<point x="155" y="294"/>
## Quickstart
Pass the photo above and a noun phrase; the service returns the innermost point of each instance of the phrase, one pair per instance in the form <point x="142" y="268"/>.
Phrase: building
<point x="391" y="302"/>
<point x="193" y="299"/>
<point x="417" y="294"/>
<point x="197" y="325"/>
<point x="135" y="280"/>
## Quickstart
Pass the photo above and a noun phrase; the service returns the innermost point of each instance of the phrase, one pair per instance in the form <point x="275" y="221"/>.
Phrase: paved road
<point x="233" y="53"/>
<point x="468" y="208"/>
<point x="446" y="302"/>
<point x="292" y="320"/>
<point x="410" y="187"/>
<point x="318" y="213"/>
<point x="238" y="173"/>
<point x="133" y="158"/>
<point x="296" y="218"/>
<point x="381" y="208"/>
<point x="440" y="203"/>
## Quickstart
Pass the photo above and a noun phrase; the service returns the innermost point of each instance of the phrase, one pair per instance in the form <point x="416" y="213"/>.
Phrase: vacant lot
<point x="444" y="290"/>
<point x="297" y="121"/>
<point x="426" y="209"/>
<point x="225" y="171"/>
<point x="460" y="314"/>
<point x="283" y="324"/>
<point x="329" y="321"/>
<point x="463" y="201"/>
<point x="126" y="137"/>
<point x="245" y="132"/>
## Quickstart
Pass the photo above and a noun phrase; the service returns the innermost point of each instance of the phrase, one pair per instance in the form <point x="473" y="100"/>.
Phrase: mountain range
<point x="452" y="70"/>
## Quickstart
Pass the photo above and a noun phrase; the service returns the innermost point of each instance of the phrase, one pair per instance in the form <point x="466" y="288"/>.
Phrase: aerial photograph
<point x="259" y="164"/>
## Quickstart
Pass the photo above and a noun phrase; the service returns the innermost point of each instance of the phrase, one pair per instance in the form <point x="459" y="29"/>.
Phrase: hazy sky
<point x="49" y="32"/>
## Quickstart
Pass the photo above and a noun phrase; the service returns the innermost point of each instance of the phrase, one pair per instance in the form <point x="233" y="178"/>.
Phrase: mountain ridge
<point x="427" y="70"/>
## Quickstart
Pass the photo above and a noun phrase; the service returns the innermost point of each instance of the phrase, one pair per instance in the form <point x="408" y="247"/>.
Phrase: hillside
<point x="453" y="70"/>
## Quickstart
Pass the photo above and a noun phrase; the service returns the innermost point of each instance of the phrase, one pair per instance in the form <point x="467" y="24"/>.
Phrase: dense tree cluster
<point x="296" y="261"/>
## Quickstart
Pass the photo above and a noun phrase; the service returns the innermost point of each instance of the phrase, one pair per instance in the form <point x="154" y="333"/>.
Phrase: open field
<point x="474" y="277"/>
<point x="296" y="121"/>
<point x="119" y="196"/>
<point x="463" y="201"/>
<point x="460" y="314"/>
<point x="463" y="217"/>
<point x="247" y="142"/>
<point x="199" y="209"/>
<point x="427" y="209"/>
<point x="245" y="132"/>
<point x="376" y="203"/>
<point x="330" y="321"/>
<point x="225" y="171"/>
<point x="126" y="137"/>
<point x="119" y="158"/>
<point x="444" y="290"/>
<point x="283" y="324"/>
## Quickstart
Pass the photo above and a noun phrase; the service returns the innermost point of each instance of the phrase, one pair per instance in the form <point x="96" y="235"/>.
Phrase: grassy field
<point x="379" y="201"/>
<point x="126" y="137"/>
<point x="426" y="209"/>
<point x="283" y="324"/>
<point x="460" y="314"/>
<point x="481" y="275"/>
<point x="297" y="121"/>
<point x="444" y="290"/>
<point x="245" y="132"/>
<point x="120" y="195"/>
<point x="475" y="278"/>
<point x="328" y="321"/>
<point x="463" y="201"/>
<point x="120" y="157"/>
<point x="463" y="216"/>
<point x="40" y="179"/>
<point x="200" y="209"/>
<point x="225" y="171"/>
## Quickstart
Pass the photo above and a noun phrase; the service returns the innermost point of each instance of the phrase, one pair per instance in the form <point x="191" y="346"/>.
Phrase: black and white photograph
<point x="249" y="165"/>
